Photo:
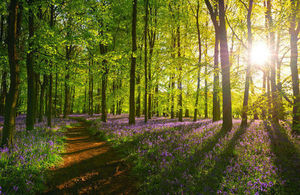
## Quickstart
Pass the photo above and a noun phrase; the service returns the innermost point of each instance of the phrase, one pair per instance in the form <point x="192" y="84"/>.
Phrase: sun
<point x="260" y="53"/>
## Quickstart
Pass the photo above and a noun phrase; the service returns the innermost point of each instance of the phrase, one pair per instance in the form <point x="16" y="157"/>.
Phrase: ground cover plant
<point x="190" y="158"/>
<point x="23" y="167"/>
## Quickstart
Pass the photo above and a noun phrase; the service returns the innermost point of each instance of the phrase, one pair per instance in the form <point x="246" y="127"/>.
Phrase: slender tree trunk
<point x="49" y="114"/>
<point x="114" y="98"/>
<point x="67" y="83"/>
<point x="3" y="92"/>
<point x="104" y="86"/>
<point x="216" y="86"/>
<point x="173" y="77"/>
<point x="206" y="83"/>
<point x="91" y="90"/>
<point x="72" y="99"/>
<point x="275" y="117"/>
<point x="199" y="61"/>
<point x="156" y="99"/>
<point x="180" y="117"/>
<point x="225" y="66"/>
<point x="55" y="96"/>
<point x="138" y="100"/>
<point x="31" y="101"/>
<point x="84" y="105"/>
<point x="146" y="69"/>
<point x="132" y="68"/>
<point x="293" y="64"/>
<point x="213" y="11"/>
<point x="279" y="84"/>
<point x="42" y="97"/>
<point x="11" y="100"/>
<point x="4" y="73"/>
<point x="248" y="71"/>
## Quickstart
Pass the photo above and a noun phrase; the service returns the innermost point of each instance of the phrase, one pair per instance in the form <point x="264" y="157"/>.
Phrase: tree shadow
<point x="287" y="159"/>
<point x="210" y="183"/>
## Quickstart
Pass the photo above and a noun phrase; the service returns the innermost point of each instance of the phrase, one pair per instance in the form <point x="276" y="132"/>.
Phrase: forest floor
<point x="90" y="166"/>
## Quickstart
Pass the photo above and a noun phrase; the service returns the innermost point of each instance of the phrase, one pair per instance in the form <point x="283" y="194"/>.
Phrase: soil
<point x="90" y="166"/>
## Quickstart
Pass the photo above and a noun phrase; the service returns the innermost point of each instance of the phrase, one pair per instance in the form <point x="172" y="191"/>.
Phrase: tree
<point x="11" y="99"/>
<point x="132" y="68"/>
<point x="248" y="71"/>
<point x="294" y="32"/>
<point x="146" y="61"/>
<point x="225" y="66"/>
<point x="213" y="11"/>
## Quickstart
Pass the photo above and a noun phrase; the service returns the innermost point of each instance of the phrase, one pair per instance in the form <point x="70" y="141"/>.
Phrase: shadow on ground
<point x="90" y="166"/>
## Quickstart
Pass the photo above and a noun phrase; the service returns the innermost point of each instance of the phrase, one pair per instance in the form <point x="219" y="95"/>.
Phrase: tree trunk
<point x="55" y="96"/>
<point x="279" y="85"/>
<point x="42" y="97"/>
<point x="4" y="73"/>
<point x="104" y="85"/>
<point x="206" y="84"/>
<point x="146" y="69"/>
<point x="3" y="92"/>
<point x="67" y="83"/>
<point x="199" y="61"/>
<point x="132" y="68"/>
<point x="275" y="117"/>
<point x="91" y="90"/>
<point x="31" y="101"/>
<point x="225" y="66"/>
<point x="216" y="101"/>
<point x="248" y="71"/>
<point x="49" y="114"/>
<point x="293" y="64"/>
<point x="180" y="78"/>
<point x="138" y="100"/>
<point x="11" y="100"/>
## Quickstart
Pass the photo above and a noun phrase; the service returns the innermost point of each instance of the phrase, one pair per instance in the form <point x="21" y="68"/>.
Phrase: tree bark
<point x="42" y="97"/>
<point x="91" y="90"/>
<point x="145" y="60"/>
<point x="132" y="68"/>
<point x="199" y="61"/>
<point x="3" y="92"/>
<point x="293" y="64"/>
<point x="104" y="85"/>
<point x="225" y="66"/>
<point x="49" y="114"/>
<point x="180" y="114"/>
<point x="213" y="11"/>
<point x="275" y="116"/>
<point x="248" y="71"/>
<point x="67" y="105"/>
<point x="11" y="100"/>
<point x="4" y="73"/>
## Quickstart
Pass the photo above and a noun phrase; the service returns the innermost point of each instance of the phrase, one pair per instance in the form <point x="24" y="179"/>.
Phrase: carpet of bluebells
<point x="172" y="157"/>
<point x="23" y="167"/>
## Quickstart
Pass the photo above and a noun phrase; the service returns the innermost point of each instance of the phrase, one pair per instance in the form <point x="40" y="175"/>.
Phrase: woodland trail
<point x="90" y="166"/>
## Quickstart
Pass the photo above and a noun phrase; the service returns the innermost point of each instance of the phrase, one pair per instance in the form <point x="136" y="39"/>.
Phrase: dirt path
<point x="90" y="166"/>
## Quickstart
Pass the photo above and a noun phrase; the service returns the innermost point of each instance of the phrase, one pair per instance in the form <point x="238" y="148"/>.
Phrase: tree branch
<point x="236" y="34"/>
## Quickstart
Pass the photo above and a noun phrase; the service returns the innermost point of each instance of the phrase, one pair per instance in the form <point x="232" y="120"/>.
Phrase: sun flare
<point x="260" y="53"/>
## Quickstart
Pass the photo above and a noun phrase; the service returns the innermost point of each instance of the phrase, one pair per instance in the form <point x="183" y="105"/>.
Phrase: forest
<point x="149" y="97"/>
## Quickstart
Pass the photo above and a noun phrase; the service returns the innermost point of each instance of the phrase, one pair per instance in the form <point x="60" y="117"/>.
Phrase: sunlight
<point x="260" y="53"/>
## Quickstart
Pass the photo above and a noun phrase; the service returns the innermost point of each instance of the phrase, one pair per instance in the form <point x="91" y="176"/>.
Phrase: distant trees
<point x="77" y="58"/>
